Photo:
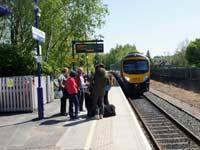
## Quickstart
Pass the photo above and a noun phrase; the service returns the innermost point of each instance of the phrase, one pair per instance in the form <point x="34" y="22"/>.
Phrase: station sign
<point x="89" y="48"/>
<point x="73" y="59"/>
<point x="38" y="34"/>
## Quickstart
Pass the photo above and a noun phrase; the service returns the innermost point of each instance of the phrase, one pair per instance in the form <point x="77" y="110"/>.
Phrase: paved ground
<point x="55" y="132"/>
<point x="24" y="131"/>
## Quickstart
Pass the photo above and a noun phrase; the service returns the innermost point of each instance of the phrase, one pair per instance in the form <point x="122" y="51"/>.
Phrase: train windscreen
<point x="135" y="66"/>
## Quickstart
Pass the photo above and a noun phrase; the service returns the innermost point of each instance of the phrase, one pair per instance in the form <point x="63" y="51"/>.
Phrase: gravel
<point x="184" y="118"/>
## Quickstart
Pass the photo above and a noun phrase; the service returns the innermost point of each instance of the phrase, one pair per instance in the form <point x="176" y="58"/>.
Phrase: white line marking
<point x="90" y="136"/>
<point x="136" y="123"/>
<point x="62" y="141"/>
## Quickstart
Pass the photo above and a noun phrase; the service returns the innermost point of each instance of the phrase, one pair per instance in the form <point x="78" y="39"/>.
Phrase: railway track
<point x="164" y="130"/>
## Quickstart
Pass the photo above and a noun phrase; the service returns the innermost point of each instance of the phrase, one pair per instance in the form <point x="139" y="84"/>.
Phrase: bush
<point x="46" y="68"/>
<point x="16" y="61"/>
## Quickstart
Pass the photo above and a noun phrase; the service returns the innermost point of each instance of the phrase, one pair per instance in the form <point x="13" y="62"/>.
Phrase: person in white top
<point x="82" y="88"/>
<point x="61" y="80"/>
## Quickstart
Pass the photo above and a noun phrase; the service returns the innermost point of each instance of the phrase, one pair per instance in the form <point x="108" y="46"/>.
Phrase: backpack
<point x="109" y="110"/>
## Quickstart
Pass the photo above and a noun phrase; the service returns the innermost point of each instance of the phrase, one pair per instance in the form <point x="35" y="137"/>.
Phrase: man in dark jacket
<point x="98" y="90"/>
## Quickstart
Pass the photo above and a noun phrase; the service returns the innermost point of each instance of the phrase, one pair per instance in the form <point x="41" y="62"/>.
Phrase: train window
<point x="135" y="66"/>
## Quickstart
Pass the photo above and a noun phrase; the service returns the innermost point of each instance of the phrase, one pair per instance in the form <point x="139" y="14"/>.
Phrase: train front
<point x="136" y="74"/>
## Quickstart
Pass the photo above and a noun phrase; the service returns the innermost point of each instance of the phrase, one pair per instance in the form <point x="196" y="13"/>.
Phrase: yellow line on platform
<point x="90" y="136"/>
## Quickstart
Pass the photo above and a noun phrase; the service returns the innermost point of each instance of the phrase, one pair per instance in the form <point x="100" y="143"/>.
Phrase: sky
<point x="155" y="25"/>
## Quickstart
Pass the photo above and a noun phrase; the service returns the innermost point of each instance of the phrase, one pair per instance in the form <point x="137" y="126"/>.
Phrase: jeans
<point x="63" y="102"/>
<point x="73" y="102"/>
<point x="98" y="105"/>
<point x="81" y="99"/>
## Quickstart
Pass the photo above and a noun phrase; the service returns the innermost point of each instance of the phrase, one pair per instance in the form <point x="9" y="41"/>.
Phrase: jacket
<point x="99" y="82"/>
<point x="71" y="86"/>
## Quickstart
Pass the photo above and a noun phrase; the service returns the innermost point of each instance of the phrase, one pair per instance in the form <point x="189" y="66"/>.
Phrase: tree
<point x="179" y="58"/>
<point x="61" y="20"/>
<point x="15" y="61"/>
<point x="117" y="53"/>
<point x="98" y="58"/>
<point x="193" y="53"/>
<point x="149" y="56"/>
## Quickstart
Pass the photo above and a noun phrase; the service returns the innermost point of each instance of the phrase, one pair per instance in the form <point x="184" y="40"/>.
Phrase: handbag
<point x="59" y="94"/>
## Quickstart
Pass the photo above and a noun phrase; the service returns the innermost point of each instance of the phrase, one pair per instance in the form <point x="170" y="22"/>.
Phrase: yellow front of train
<point x="135" y="70"/>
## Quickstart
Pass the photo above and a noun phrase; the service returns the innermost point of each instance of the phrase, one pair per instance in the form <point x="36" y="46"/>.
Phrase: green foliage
<point x="61" y="20"/>
<point x="176" y="60"/>
<point x="149" y="56"/>
<point x="98" y="58"/>
<point x="68" y="20"/>
<point x="117" y="53"/>
<point x="46" y="68"/>
<point x="16" y="61"/>
<point x="179" y="59"/>
<point x="193" y="53"/>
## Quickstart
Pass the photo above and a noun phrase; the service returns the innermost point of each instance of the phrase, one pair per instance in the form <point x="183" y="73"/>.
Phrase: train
<point x="133" y="70"/>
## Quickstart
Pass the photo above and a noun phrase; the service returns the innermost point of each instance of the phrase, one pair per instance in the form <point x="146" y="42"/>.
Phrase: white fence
<point x="20" y="93"/>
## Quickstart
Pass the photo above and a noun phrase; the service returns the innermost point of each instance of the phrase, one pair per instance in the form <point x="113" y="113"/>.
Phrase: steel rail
<point x="179" y="124"/>
<point x="153" y="140"/>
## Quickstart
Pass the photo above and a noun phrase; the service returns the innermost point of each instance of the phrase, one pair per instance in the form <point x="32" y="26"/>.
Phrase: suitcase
<point x="88" y="104"/>
<point x="109" y="110"/>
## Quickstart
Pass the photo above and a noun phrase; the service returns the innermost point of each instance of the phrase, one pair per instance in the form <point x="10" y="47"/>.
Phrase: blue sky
<point x="155" y="25"/>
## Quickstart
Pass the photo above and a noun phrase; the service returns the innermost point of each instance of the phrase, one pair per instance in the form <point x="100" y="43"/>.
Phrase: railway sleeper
<point x="165" y="132"/>
<point x="181" y="145"/>
<point x="174" y="140"/>
<point x="162" y="124"/>
<point x="176" y="135"/>
<point x="163" y="128"/>
<point x="162" y="119"/>
<point x="155" y="115"/>
<point x="155" y="121"/>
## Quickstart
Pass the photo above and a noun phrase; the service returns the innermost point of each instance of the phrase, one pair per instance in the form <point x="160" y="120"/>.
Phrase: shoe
<point x="76" y="117"/>
<point x="63" y="114"/>
<point x="101" y="116"/>
<point x="97" y="117"/>
<point x="71" y="117"/>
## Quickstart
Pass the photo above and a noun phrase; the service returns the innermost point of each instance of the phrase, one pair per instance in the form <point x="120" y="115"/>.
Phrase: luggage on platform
<point x="88" y="104"/>
<point x="109" y="110"/>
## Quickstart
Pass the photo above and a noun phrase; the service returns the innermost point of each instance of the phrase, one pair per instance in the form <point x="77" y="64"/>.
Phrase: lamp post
<point x="39" y="89"/>
<point x="73" y="42"/>
<point x="87" y="64"/>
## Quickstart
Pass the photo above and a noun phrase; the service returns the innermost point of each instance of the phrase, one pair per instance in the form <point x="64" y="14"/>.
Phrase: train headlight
<point x="127" y="78"/>
<point x="145" y="78"/>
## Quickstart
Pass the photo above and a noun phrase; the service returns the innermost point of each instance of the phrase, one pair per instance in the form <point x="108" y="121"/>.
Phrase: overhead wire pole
<point x="39" y="89"/>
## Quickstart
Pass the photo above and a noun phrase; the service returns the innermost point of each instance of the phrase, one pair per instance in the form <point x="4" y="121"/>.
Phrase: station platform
<point x="121" y="132"/>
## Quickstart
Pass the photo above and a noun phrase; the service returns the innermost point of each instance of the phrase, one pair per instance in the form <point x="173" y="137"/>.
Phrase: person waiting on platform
<point x="82" y="86"/>
<point x="72" y="89"/>
<point x="109" y="84"/>
<point x="98" y="90"/>
<point x="61" y="81"/>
